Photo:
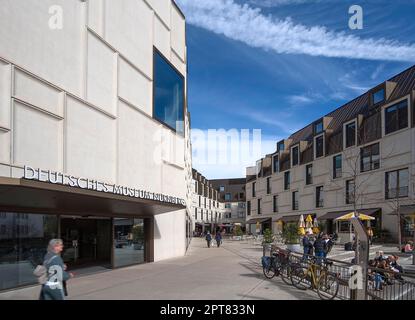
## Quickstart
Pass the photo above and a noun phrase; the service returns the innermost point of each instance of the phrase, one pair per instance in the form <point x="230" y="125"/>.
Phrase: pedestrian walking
<point x="320" y="248"/>
<point x="218" y="239"/>
<point x="370" y="235"/>
<point x="208" y="239"/>
<point x="307" y="245"/>
<point x="53" y="288"/>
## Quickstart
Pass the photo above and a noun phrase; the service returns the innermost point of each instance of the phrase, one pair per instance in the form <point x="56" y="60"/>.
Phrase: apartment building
<point x="232" y="195"/>
<point x="207" y="210"/>
<point x="360" y="156"/>
<point x="94" y="134"/>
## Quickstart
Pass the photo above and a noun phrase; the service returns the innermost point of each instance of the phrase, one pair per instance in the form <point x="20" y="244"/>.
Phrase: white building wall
<point x="79" y="99"/>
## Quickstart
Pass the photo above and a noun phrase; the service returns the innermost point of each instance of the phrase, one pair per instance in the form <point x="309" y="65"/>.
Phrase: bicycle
<point x="316" y="276"/>
<point x="279" y="265"/>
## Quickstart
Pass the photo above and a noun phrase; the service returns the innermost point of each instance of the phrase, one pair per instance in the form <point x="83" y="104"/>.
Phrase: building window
<point x="168" y="94"/>
<point x="259" y="206"/>
<point x="396" y="117"/>
<point x="268" y="185"/>
<point x="350" y="191"/>
<point x="337" y="166"/>
<point x="276" y="164"/>
<point x="205" y="202"/>
<point x="369" y="158"/>
<point x="319" y="146"/>
<point x="350" y="134"/>
<point x="253" y="189"/>
<point x="241" y="195"/>
<point x="248" y="208"/>
<point x="319" y="197"/>
<point x="295" y="200"/>
<point x="241" y="205"/>
<point x="222" y="189"/>
<point x="281" y="146"/>
<point x="287" y="180"/>
<point x="195" y="213"/>
<point x="228" y="197"/>
<point x="378" y="96"/>
<point x="227" y="205"/>
<point x="195" y="187"/>
<point x="309" y="174"/>
<point x="397" y="184"/>
<point x="318" y="127"/>
<point x="200" y="200"/>
<point x="295" y="156"/>
<point x="275" y="204"/>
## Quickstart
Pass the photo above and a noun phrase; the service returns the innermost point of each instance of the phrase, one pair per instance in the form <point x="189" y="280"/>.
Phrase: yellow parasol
<point x="315" y="226"/>
<point x="309" y="221"/>
<point x="350" y="215"/>
<point x="301" y="225"/>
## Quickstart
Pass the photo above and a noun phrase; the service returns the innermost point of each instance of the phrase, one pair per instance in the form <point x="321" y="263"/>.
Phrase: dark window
<point x="201" y="214"/>
<point x="221" y="189"/>
<point x="396" y="117"/>
<point x="295" y="156"/>
<point x="195" y="213"/>
<point x="295" y="200"/>
<point x="227" y="205"/>
<point x="168" y="94"/>
<point x="253" y="189"/>
<point x="248" y="208"/>
<point x="241" y="195"/>
<point x="309" y="174"/>
<point x="337" y="166"/>
<point x="275" y="166"/>
<point x="319" y="146"/>
<point x="350" y="191"/>
<point x="350" y="134"/>
<point x="275" y="204"/>
<point x="286" y="180"/>
<point x="319" y="197"/>
<point x="281" y="146"/>
<point x="228" y="197"/>
<point x="259" y="206"/>
<point x="378" y="96"/>
<point x="200" y="201"/>
<point x="318" y="127"/>
<point x="268" y="185"/>
<point x="397" y="183"/>
<point x="369" y="158"/>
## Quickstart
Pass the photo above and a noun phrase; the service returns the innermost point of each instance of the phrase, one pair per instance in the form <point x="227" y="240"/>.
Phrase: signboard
<point x="60" y="178"/>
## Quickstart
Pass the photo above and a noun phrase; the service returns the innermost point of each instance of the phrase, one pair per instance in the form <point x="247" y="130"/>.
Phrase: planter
<point x="294" y="247"/>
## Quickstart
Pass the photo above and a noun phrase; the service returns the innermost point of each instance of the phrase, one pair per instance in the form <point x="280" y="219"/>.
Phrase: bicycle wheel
<point x="285" y="273"/>
<point x="269" y="272"/>
<point x="327" y="286"/>
<point x="300" y="278"/>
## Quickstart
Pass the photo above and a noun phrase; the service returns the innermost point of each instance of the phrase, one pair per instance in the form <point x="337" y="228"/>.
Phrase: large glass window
<point x="309" y="174"/>
<point x="396" y="117"/>
<point x="23" y="241"/>
<point x="319" y="197"/>
<point x="369" y="158"/>
<point x="397" y="184"/>
<point x="168" y="94"/>
<point x="228" y="197"/>
<point x="350" y="134"/>
<point x="337" y="166"/>
<point x="295" y="200"/>
<point x="129" y="241"/>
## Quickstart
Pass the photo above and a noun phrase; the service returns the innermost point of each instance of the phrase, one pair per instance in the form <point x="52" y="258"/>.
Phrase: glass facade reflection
<point x="23" y="241"/>
<point x="168" y="94"/>
<point x="129" y="242"/>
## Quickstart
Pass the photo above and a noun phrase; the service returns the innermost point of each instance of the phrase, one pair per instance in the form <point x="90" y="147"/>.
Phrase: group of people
<point x="217" y="237"/>
<point x="383" y="269"/>
<point x="319" y="246"/>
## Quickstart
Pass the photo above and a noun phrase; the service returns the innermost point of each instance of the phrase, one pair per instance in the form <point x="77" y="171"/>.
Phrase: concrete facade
<point x="78" y="98"/>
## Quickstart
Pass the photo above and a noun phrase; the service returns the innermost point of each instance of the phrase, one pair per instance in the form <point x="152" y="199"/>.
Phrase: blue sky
<point x="277" y="65"/>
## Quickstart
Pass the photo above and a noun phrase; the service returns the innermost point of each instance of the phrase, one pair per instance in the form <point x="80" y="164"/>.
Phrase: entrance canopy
<point x="42" y="197"/>
<point x="337" y="214"/>
<point x="290" y="218"/>
<point x="257" y="220"/>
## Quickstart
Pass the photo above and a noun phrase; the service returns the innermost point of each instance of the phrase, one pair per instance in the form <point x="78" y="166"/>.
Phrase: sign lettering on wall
<point x="60" y="178"/>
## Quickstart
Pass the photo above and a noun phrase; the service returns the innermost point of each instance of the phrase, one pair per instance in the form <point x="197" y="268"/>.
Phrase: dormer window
<point x="318" y="127"/>
<point x="275" y="164"/>
<point x="295" y="156"/>
<point x="378" y="96"/>
<point x="281" y="146"/>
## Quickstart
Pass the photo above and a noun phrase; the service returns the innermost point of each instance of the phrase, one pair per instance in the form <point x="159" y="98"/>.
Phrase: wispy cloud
<point x="249" y="25"/>
<point x="377" y="71"/>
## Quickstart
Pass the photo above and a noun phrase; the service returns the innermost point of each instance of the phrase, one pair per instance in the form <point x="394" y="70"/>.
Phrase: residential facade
<point x="359" y="157"/>
<point x="207" y="210"/>
<point x="232" y="195"/>
<point x="94" y="134"/>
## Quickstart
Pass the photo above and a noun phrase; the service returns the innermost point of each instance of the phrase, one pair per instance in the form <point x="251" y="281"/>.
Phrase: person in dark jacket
<point x="307" y="246"/>
<point x="56" y="272"/>
<point x="208" y="239"/>
<point x="218" y="238"/>
<point x="319" y="248"/>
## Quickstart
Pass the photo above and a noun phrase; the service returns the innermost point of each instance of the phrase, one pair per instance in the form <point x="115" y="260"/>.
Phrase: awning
<point x="407" y="210"/>
<point x="42" y="197"/>
<point x="290" y="218"/>
<point x="335" y="214"/>
<point x="257" y="220"/>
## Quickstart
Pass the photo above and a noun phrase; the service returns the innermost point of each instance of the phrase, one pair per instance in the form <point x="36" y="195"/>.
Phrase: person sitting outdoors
<point x="409" y="247"/>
